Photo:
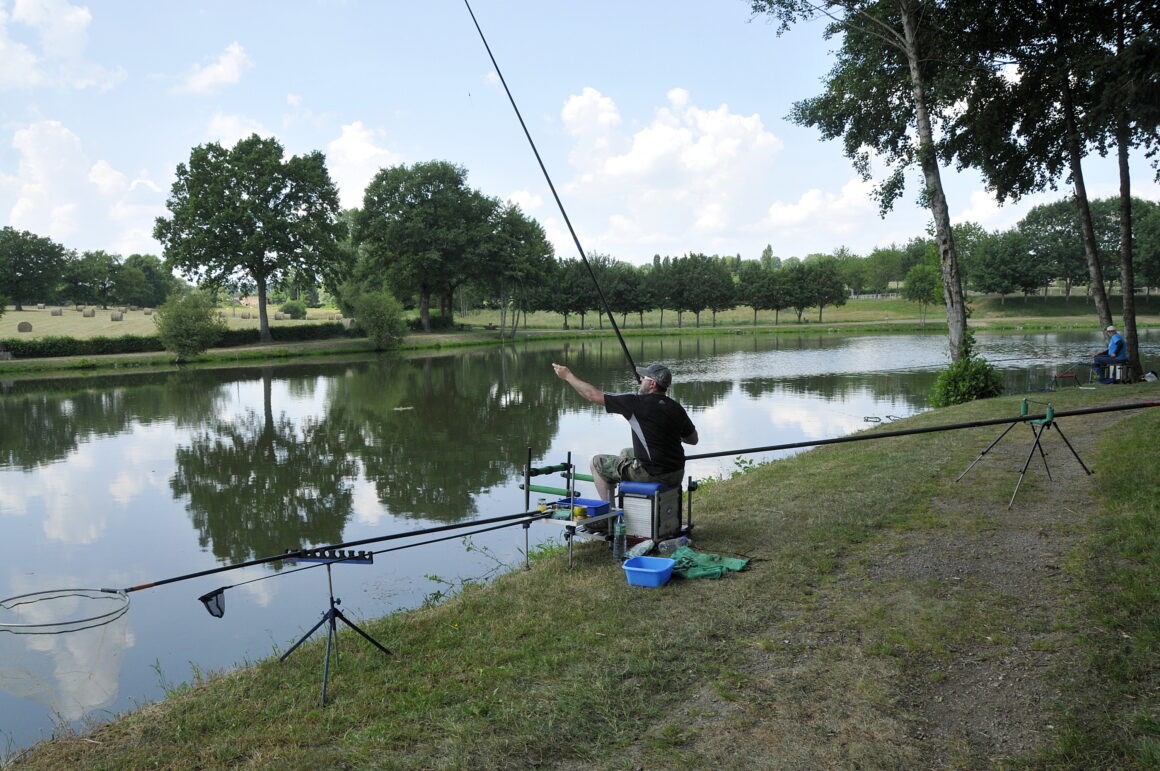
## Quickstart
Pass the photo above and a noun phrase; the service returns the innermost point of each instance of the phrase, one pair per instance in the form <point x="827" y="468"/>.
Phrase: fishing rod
<point x="307" y="553"/>
<point x="926" y="430"/>
<point x="552" y="187"/>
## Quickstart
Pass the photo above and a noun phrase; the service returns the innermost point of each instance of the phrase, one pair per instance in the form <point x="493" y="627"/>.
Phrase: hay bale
<point x="40" y="306"/>
<point x="24" y="326"/>
<point x="89" y="313"/>
<point x="79" y="308"/>
<point x="116" y="316"/>
<point x="122" y="309"/>
<point x="56" y="312"/>
<point x="278" y="316"/>
<point x="245" y="314"/>
<point x="132" y="307"/>
<point x="148" y="311"/>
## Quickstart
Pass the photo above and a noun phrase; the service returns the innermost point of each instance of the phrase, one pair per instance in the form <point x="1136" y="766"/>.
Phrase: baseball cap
<point x="659" y="373"/>
<point x="1111" y="328"/>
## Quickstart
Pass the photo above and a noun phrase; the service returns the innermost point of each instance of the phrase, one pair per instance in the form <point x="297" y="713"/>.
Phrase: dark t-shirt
<point x="658" y="423"/>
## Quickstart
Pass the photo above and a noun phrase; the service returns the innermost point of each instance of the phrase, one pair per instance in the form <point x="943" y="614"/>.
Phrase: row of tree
<point x="37" y="269"/>
<point x="1016" y="91"/>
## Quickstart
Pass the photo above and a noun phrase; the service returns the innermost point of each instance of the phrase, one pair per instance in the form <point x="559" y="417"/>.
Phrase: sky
<point x="662" y="123"/>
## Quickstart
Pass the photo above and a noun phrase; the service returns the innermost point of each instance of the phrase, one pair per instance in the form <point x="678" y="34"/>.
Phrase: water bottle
<point x="672" y="544"/>
<point x="619" y="538"/>
<point x="641" y="549"/>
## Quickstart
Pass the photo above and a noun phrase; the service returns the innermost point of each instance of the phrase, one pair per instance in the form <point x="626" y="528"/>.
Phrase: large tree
<point x="427" y="231"/>
<point x="898" y="74"/>
<point x="1027" y="120"/>
<point x="30" y="266"/>
<point x="824" y="279"/>
<point x="250" y="217"/>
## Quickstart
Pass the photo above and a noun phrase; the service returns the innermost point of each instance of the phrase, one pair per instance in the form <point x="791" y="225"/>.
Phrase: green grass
<point x="1114" y="720"/>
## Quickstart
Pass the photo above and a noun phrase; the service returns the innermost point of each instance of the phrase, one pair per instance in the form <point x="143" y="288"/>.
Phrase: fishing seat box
<point x="650" y="510"/>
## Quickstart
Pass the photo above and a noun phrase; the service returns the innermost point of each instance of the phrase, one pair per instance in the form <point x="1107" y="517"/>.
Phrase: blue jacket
<point x="1117" y="349"/>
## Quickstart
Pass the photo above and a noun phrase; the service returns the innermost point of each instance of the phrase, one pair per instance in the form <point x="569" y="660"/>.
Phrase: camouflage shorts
<point x="625" y="467"/>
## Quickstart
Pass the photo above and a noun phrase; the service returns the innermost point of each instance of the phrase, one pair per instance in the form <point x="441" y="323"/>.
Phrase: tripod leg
<point x="357" y="628"/>
<point x="984" y="452"/>
<point x="1073" y="452"/>
<point x="1023" y="470"/>
<point x="1043" y="455"/>
<point x="330" y="639"/>
<point x="303" y="638"/>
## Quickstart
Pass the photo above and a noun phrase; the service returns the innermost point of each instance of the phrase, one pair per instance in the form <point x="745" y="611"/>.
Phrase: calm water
<point x="114" y="481"/>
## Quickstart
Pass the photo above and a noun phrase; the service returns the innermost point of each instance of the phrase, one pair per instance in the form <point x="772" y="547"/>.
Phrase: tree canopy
<point x="427" y="231"/>
<point x="30" y="266"/>
<point x="249" y="217"/>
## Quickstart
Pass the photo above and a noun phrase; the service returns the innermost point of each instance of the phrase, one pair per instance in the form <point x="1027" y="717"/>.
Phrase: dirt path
<point x="974" y="683"/>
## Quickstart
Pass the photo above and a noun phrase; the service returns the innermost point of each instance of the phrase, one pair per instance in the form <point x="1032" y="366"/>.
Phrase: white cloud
<point x="226" y="70"/>
<point x="679" y="182"/>
<point x="526" y="200"/>
<point x="106" y="178"/>
<point x="58" y="55"/>
<point x="58" y="192"/>
<point x="228" y="130"/>
<point x="818" y="210"/>
<point x="589" y="112"/>
<point x="354" y="158"/>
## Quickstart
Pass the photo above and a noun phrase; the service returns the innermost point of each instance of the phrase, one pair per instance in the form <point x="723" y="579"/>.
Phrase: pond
<point x="119" y="480"/>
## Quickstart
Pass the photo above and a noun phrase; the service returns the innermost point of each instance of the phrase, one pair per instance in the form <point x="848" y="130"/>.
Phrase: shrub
<point x="381" y="317"/>
<point x="188" y="324"/>
<point x="295" y="309"/>
<point x="967" y="379"/>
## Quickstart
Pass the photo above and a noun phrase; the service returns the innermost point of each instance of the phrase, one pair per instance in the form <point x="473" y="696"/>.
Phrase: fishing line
<point x="552" y="187"/>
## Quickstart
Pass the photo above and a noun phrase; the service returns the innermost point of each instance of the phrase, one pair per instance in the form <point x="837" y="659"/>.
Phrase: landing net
<point x="61" y="610"/>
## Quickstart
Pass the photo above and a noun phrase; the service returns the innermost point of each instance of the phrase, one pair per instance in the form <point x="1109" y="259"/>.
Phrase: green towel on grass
<point x="691" y="564"/>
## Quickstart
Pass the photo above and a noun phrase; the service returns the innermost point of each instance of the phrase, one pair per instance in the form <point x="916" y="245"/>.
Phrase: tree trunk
<point x="425" y="308"/>
<point x="1086" y="229"/>
<point x="264" y="335"/>
<point x="944" y="237"/>
<point x="1127" y="280"/>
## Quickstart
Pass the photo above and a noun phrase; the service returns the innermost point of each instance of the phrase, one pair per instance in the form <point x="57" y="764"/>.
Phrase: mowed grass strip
<point x="574" y="667"/>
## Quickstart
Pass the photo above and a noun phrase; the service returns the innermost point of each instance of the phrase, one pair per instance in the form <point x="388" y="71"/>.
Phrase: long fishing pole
<point x="552" y="187"/>
<point x="927" y="430"/>
<point x="530" y="515"/>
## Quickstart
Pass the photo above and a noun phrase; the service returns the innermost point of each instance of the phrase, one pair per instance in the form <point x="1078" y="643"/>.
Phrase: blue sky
<point x="662" y="123"/>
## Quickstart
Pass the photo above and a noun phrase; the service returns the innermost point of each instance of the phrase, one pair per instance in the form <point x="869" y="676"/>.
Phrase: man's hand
<point x="562" y="372"/>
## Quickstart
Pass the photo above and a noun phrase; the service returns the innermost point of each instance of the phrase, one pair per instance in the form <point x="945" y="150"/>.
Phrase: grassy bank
<point x="820" y="655"/>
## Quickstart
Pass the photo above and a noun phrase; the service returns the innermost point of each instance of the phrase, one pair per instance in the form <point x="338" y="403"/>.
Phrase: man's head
<point x="658" y="373"/>
<point x="1111" y="330"/>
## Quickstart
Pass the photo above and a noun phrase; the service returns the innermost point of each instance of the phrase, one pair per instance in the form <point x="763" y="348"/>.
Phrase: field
<point x="72" y="323"/>
<point x="985" y="311"/>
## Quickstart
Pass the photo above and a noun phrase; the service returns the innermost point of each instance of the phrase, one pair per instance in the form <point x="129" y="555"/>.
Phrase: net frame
<point x="118" y="597"/>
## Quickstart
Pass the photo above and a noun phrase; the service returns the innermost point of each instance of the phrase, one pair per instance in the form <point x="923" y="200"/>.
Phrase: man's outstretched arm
<point x="587" y="390"/>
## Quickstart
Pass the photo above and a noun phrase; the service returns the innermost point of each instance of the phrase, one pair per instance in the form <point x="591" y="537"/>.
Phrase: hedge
<point x="48" y="347"/>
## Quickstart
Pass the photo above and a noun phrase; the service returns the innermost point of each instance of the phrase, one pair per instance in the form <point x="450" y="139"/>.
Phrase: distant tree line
<point x="35" y="269"/>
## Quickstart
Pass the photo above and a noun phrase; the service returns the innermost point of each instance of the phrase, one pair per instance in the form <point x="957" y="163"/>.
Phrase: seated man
<point x="659" y="426"/>
<point x="1116" y="353"/>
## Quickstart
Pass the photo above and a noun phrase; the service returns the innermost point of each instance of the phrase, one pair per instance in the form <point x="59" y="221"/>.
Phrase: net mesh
<point x="72" y="673"/>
